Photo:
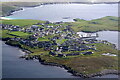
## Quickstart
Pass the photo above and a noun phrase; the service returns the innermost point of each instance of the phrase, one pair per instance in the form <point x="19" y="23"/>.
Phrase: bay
<point x="57" y="12"/>
<point x="110" y="36"/>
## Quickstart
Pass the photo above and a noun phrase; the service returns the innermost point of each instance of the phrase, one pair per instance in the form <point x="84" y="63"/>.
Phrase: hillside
<point x="105" y="23"/>
<point x="9" y="7"/>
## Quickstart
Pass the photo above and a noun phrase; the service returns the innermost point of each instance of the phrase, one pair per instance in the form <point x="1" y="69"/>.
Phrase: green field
<point x="85" y="64"/>
<point x="22" y="22"/>
<point x="61" y="41"/>
<point x="5" y="34"/>
<point x="105" y="23"/>
<point x="18" y="33"/>
<point x="43" y="39"/>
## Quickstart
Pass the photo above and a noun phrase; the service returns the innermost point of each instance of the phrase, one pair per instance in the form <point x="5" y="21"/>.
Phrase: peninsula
<point x="58" y="44"/>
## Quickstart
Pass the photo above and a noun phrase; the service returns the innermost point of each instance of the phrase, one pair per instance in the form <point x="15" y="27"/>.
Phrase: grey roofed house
<point x="34" y="26"/>
<point x="73" y="54"/>
<point x="87" y="53"/>
<point x="60" y="55"/>
<point x="15" y="29"/>
<point x="52" y="53"/>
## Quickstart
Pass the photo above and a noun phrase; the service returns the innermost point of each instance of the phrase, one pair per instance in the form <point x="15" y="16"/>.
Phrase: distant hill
<point x="64" y="0"/>
<point x="105" y="23"/>
<point x="9" y="7"/>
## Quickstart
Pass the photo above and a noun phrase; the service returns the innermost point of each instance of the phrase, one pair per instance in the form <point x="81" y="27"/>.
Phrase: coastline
<point x="102" y="73"/>
<point x="100" y="31"/>
<point x="114" y="45"/>
<point x="69" y="70"/>
<point x="52" y="3"/>
<point x="65" y="67"/>
<point x="10" y="13"/>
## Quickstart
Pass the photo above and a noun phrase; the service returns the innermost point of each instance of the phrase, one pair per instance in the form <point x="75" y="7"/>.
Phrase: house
<point x="73" y="54"/>
<point x="60" y="55"/>
<point x="65" y="48"/>
<point x="39" y="24"/>
<point x="58" y="22"/>
<point x="49" y="26"/>
<point x="55" y="37"/>
<point x="87" y="53"/>
<point x="41" y="29"/>
<point x="52" y="53"/>
<point x="47" y="22"/>
<point x="34" y="27"/>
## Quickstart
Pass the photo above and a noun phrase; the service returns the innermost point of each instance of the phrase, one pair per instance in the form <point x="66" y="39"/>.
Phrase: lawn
<point x="104" y="48"/>
<point x="43" y="39"/>
<point x="5" y="34"/>
<point x="60" y="41"/>
<point x="18" y="33"/>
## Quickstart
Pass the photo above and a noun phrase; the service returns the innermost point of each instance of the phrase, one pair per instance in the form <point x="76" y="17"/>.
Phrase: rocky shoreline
<point x="10" y="13"/>
<point x="18" y="9"/>
<point x="74" y="73"/>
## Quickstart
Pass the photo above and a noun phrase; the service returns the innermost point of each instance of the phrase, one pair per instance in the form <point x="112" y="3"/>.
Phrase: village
<point x="59" y="40"/>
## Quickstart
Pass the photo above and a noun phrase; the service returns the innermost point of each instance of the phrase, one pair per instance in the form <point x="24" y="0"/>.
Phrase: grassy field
<point x="61" y="41"/>
<point x="18" y="33"/>
<point x="85" y="64"/>
<point x="105" y="23"/>
<point x="22" y="22"/>
<point x="43" y="39"/>
<point x="5" y="34"/>
<point x="9" y="34"/>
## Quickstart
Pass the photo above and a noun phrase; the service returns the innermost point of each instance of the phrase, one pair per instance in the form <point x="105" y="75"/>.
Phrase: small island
<point x="58" y="44"/>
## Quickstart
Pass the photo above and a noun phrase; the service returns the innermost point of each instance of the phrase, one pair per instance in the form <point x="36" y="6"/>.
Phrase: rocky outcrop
<point x="104" y="72"/>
